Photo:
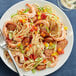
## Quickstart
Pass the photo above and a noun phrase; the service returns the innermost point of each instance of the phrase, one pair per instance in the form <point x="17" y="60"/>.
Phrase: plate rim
<point x="68" y="22"/>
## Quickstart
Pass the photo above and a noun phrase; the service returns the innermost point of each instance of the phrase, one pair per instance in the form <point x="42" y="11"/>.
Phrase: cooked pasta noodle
<point x="36" y="37"/>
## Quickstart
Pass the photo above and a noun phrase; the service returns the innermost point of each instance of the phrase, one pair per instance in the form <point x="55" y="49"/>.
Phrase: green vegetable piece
<point x="21" y="47"/>
<point x="26" y="10"/>
<point x="33" y="70"/>
<point x="36" y="64"/>
<point x="13" y="15"/>
<point x="55" y="17"/>
<point x="23" y="51"/>
<point x="47" y="29"/>
<point x="31" y="23"/>
<point x="49" y="10"/>
<point x="38" y="59"/>
<point x="52" y="47"/>
<point x="48" y="64"/>
<point x="41" y="8"/>
<point x="31" y="60"/>
<point x="10" y="35"/>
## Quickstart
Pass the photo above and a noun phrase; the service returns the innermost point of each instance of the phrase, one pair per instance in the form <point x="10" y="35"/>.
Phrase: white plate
<point x="63" y="18"/>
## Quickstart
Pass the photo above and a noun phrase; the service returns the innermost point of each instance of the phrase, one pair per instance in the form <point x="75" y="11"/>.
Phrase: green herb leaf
<point x="33" y="70"/>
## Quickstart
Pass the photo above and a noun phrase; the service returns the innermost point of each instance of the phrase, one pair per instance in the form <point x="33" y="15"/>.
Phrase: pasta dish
<point x="36" y="37"/>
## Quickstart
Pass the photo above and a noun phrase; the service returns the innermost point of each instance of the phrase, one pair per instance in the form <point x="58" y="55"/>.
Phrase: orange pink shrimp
<point x="30" y="15"/>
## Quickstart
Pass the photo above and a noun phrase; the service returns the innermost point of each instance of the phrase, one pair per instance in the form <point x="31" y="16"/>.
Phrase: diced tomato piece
<point x="42" y="48"/>
<point x="60" y="52"/>
<point x="26" y="4"/>
<point x="30" y="45"/>
<point x="44" y="61"/>
<point x="31" y="30"/>
<point x="25" y="19"/>
<point x="25" y="58"/>
<point x="43" y="16"/>
<point x="30" y="36"/>
<point x="31" y="56"/>
<point x="21" y="21"/>
<point x="34" y="57"/>
<point x="35" y="28"/>
<point x="19" y="36"/>
<point x="54" y="57"/>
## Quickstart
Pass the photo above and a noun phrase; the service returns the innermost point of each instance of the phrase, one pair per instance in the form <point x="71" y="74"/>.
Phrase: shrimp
<point x="62" y="37"/>
<point x="5" y="32"/>
<point x="17" y="39"/>
<point x="20" y="55"/>
<point x="41" y="67"/>
<point x="30" y="15"/>
<point x="34" y="19"/>
<point x="12" y="45"/>
<point x="42" y="21"/>
<point x="54" y="63"/>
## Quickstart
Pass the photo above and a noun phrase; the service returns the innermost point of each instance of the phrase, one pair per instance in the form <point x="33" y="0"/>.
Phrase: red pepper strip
<point x="25" y="58"/>
<point x="21" y="21"/>
<point x="30" y="45"/>
<point x="32" y="56"/>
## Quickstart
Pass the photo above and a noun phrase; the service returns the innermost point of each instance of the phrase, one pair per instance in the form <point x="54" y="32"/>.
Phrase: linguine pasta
<point x="36" y="37"/>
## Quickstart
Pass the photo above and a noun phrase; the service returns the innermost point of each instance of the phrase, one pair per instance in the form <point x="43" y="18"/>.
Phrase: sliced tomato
<point x="43" y="16"/>
<point x="30" y="45"/>
<point x="21" y="21"/>
<point x="32" y="56"/>
<point x="25" y="58"/>
<point x="31" y="30"/>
